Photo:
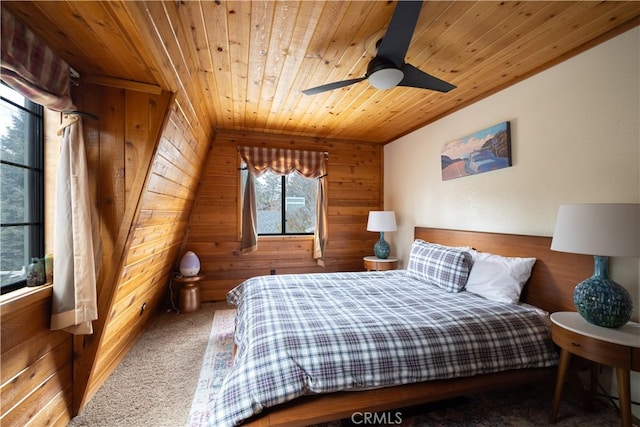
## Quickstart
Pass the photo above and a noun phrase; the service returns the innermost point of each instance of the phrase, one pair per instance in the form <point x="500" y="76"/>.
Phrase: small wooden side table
<point x="377" y="264"/>
<point x="189" y="293"/>
<point x="619" y="348"/>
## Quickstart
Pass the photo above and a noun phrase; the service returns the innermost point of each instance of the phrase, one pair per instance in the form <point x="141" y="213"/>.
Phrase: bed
<point x="284" y="376"/>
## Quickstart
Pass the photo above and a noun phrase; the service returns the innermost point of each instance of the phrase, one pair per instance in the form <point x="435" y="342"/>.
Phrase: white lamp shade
<point x="381" y="221"/>
<point x="189" y="264"/>
<point x="601" y="229"/>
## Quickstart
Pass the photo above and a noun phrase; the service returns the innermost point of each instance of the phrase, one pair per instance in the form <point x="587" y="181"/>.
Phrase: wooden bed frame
<point x="550" y="287"/>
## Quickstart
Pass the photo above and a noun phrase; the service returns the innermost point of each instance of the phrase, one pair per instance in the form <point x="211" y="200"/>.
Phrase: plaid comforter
<point x="321" y="333"/>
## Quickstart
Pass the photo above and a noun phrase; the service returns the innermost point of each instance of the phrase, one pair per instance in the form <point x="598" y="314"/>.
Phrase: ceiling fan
<point x="388" y="69"/>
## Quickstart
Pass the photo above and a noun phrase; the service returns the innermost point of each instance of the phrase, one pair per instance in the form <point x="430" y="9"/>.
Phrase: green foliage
<point x="12" y="195"/>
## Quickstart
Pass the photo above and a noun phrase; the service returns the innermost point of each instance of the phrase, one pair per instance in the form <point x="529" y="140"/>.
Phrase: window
<point x="21" y="187"/>
<point x="285" y="204"/>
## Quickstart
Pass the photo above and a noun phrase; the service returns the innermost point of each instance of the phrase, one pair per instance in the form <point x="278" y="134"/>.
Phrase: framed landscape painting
<point x="482" y="151"/>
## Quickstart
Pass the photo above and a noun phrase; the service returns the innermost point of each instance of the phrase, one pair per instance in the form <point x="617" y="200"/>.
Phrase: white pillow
<point x="499" y="278"/>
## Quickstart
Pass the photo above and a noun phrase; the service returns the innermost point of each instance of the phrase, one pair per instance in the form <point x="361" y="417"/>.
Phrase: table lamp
<point x="381" y="221"/>
<point x="601" y="230"/>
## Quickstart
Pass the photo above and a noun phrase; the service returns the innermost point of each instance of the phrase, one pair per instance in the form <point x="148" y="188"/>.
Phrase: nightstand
<point x="189" y="292"/>
<point x="377" y="264"/>
<point x="619" y="348"/>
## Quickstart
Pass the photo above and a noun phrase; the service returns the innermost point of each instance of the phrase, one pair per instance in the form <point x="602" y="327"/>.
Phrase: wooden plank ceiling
<point x="247" y="62"/>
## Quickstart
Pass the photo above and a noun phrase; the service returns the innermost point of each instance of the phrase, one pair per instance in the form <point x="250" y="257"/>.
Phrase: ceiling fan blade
<point x="395" y="42"/>
<point x="414" y="77"/>
<point x="332" y="86"/>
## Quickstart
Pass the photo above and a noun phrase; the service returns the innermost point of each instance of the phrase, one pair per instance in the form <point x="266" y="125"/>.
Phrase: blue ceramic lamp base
<point x="600" y="300"/>
<point x="382" y="249"/>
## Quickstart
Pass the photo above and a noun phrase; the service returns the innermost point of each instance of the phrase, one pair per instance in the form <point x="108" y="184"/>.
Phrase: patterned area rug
<point x="527" y="405"/>
<point x="216" y="362"/>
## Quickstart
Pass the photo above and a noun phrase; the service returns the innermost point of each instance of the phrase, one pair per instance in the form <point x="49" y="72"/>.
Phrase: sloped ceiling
<point x="244" y="64"/>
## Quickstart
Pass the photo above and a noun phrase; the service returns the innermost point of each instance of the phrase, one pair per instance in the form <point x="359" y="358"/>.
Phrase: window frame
<point x="242" y="169"/>
<point x="35" y="203"/>
<point x="283" y="210"/>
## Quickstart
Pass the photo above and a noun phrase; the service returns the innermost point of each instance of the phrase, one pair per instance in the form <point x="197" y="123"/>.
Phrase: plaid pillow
<point x="443" y="266"/>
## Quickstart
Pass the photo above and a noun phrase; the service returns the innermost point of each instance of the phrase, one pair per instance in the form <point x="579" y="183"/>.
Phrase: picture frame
<point x="482" y="151"/>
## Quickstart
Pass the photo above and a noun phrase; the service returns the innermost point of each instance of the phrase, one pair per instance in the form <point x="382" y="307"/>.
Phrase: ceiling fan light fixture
<point x="386" y="78"/>
<point x="388" y="68"/>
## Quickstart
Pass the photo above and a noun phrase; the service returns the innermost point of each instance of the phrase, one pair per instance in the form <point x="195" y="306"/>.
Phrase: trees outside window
<point x="285" y="204"/>
<point x="21" y="187"/>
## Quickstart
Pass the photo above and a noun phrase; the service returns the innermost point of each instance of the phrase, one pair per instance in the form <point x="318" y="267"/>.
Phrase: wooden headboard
<point x="554" y="275"/>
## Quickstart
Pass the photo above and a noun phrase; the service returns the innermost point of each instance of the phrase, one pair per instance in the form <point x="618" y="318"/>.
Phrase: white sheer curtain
<point x="310" y="164"/>
<point x="30" y="67"/>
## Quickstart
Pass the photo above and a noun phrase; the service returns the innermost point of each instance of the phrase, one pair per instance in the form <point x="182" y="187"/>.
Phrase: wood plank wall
<point x="144" y="182"/>
<point x="36" y="363"/>
<point x="354" y="189"/>
<point x="146" y="192"/>
<point x="119" y="149"/>
<point x="153" y="245"/>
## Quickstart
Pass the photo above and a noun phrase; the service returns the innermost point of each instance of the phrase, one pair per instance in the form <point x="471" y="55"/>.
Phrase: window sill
<point x="22" y="297"/>
<point x="301" y="237"/>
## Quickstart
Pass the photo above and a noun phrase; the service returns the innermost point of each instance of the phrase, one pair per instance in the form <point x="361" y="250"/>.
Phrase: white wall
<point x="575" y="132"/>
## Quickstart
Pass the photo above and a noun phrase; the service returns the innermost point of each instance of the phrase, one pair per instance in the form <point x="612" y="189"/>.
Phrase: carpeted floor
<point x="155" y="385"/>
<point x="155" y="382"/>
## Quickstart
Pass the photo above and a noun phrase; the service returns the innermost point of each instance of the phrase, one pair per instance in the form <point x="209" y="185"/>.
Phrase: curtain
<point x="310" y="164"/>
<point x="249" y="232"/>
<point x="30" y="67"/>
<point x="74" y="303"/>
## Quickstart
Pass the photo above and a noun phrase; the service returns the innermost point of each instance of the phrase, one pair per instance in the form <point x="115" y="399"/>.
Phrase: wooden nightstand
<point x="619" y="348"/>
<point x="377" y="264"/>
